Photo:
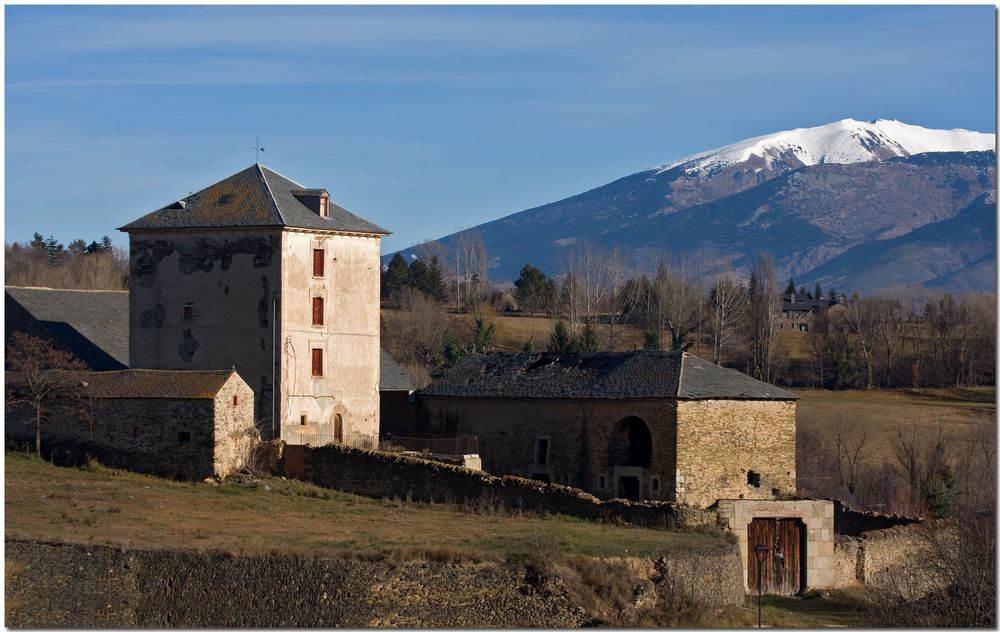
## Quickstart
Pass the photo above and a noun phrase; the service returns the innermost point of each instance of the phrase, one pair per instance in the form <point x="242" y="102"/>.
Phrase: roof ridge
<point x="270" y="193"/>
<point x="58" y="289"/>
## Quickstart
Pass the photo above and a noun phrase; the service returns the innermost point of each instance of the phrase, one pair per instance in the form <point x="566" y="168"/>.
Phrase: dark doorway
<point x="631" y="444"/>
<point x="782" y="567"/>
<point x="628" y="488"/>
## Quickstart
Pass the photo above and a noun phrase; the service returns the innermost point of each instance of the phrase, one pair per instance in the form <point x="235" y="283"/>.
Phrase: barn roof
<point x="622" y="375"/>
<point x="256" y="196"/>
<point x="90" y="324"/>
<point x="146" y="383"/>
<point x="392" y="377"/>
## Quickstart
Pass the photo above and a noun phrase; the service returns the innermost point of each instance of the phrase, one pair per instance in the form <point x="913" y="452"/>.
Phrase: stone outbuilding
<point x="262" y="274"/>
<point x="180" y="424"/>
<point x="639" y="425"/>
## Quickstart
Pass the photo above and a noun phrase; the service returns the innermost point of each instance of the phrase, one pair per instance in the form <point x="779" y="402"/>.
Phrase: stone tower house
<point x="261" y="274"/>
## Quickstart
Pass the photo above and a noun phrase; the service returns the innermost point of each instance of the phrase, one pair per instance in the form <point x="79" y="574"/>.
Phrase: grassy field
<point x="961" y="413"/>
<point x="97" y="506"/>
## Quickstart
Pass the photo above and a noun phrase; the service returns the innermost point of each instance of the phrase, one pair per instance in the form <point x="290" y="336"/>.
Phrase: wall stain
<point x="153" y="317"/>
<point x="188" y="346"/>
<point x="200" y="256"/>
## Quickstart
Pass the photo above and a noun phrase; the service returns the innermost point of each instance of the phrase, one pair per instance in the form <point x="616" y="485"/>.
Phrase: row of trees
<point x="46" y="262"/>
<point x="600" y="303"/>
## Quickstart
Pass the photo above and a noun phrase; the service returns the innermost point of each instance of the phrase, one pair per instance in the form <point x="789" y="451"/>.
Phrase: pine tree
<point x="561" y="341"/>
<point x="817" y="291"/>
<point x="396" y="276"/>
<point x="790" y="288"/>
<point x="418" y="276"/>
<point x="105" y="244"/>
<point x="53" y="251"/>
<point x="587" y="340"/>
<point x="435" y="281"/>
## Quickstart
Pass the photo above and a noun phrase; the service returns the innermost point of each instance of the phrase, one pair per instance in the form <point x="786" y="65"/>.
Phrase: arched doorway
<point x="631" y="444"/>
<point x="630" y="451"/>
<point x="338" y="428"/>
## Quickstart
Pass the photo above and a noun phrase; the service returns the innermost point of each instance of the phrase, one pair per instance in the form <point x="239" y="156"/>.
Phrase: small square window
<point x="655" y="484"/>
<point x="188" y="310"/>
<point x="236" y="400"/>
<point x="753" y="478"/>
<point x="602" y="482"/>
<point x="183" y="436"/>
<point x="302" y="420"/>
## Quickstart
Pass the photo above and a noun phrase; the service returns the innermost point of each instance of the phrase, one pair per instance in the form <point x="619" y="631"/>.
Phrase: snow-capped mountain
<point x="844" y="142"/>
<point x="807" y="196"/>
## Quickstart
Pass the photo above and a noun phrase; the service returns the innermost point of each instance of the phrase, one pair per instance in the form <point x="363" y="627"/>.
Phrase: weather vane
<point x="258" y="149"/>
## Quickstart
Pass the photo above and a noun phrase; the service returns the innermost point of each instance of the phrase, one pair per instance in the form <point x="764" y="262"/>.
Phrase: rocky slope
<point x="807" y="196"/>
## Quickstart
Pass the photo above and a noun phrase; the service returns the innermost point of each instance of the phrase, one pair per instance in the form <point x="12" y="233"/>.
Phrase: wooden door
<point x="781" y="567"/>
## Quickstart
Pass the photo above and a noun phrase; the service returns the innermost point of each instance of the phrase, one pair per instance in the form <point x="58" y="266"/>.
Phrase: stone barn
<point x="180" y="424"/>
<point x="259" y="273"/>
<point x="638" y="425"/>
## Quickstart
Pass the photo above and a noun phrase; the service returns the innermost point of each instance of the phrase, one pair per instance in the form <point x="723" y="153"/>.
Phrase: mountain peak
<point x="843" y="142"/>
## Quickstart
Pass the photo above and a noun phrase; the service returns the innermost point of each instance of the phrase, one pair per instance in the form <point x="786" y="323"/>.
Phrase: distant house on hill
<point x="796" y="307"/>
<point x="639" y="425"/>
<point x="180" y="424"/>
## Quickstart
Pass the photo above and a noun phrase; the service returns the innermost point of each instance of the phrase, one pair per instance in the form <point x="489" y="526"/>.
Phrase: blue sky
<point x="430" y="119"/>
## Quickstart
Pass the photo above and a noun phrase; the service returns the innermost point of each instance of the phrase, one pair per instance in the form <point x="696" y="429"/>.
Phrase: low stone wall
<point x="890" y="559"/>
<point x="846" y="552"/>
<point x="384" y="475"/>
<point x="64" y="585"/>
<point x="848" y="521"/>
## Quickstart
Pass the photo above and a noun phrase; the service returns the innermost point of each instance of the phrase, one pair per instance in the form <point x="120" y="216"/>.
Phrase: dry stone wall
<point x="64" y="585"/>
<point x="384" y="475"/>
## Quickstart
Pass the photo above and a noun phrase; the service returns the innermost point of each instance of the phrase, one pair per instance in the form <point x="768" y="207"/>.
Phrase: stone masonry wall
<point x="721" y="442"/>
<point x="229" y="279"/>
<point x="578" y="434"/>
<point x="383" y="475"/>
<point x="168" y="437"/>
<point x="235" y="433"/>
<point x="65" y="585"/>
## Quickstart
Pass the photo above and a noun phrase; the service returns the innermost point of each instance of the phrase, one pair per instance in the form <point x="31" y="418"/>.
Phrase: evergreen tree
<point x="561" y="341"/>
<point x="651" y="341"/>
<point x="790" y="288"/>
<point x="435" y="281"/>
<point x="817" y="292"/>
<point x="587" y="340"/>
<point x="105" y="244"/>
<point x="396" y="276"/>
<point x="37" y="246"/>
<point x="53" y="251"/>
<point x="533" y="290"/>
<point x="831" y="294"/>
<point x="92" y="248"/>
<point x="418" y="276"/>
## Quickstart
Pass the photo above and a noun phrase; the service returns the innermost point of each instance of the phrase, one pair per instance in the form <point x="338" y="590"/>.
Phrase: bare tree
<point x="621" y="296"/>
<point x="763" y="312"/>
<point x="44" y="375"/>
<point x="727" y="301"/>
<point x="863" y="317"/>
<point x="850" y="452"/>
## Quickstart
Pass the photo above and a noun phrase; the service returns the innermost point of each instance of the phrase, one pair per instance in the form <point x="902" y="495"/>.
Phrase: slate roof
<point x="256" y="196"/>
<point x="623" y="375"/>
<point x="392" y="377"/>
<point x="800" y="302"/>
<point x="147" y="383"/>
<point x="90" y="324"/>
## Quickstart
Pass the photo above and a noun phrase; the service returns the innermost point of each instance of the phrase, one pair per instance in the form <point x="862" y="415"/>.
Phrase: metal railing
<point x="468" y="444"/>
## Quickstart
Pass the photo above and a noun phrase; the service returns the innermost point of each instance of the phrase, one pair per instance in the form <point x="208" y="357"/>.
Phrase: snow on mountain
<point x="843" y="142"/>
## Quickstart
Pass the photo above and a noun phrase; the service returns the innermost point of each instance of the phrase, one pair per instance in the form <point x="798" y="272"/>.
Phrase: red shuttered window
<point x="317" y="362"/>
<point x="318" y="262"/>
<point x="317" y="310"/>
